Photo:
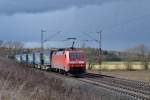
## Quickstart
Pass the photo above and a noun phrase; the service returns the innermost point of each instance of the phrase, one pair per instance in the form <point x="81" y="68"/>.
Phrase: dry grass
<point x="21" y="83"/>
<point x="18" y="82"/>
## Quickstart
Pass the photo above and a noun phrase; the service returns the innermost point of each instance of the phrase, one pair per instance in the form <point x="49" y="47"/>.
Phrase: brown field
<point x="141" y="75"/>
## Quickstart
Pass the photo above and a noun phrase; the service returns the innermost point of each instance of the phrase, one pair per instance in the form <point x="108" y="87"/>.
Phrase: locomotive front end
<point x="77" y="62"/>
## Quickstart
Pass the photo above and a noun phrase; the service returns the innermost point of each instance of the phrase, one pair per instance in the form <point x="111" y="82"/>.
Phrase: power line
<point x="52" y="36"/>
<point x="91" y="37"/>
<point x="128" y="21"/>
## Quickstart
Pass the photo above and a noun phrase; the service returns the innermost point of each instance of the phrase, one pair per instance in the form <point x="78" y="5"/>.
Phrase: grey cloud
<point x="36" y="6"/>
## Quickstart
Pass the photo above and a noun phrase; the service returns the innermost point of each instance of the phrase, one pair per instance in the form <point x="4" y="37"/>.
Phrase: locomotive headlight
<point x="71" y="65"/>
<point x="81" y="62"/>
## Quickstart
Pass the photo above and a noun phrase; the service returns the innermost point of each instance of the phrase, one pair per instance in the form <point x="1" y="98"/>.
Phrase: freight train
<point x="66" y="61"/>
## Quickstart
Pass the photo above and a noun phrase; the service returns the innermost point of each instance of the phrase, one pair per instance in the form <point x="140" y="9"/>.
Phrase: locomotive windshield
<point x="76" y="56"/>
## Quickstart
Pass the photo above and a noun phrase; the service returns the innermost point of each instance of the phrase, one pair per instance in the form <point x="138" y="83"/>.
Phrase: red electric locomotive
<point x="69" y="61"/>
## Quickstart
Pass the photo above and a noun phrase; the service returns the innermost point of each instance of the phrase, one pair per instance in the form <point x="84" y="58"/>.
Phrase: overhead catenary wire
<point x="119" y="24"/>
<point x="127" y="22"/>
<point x="52" y="36"/>
<point x="91" y="38"/>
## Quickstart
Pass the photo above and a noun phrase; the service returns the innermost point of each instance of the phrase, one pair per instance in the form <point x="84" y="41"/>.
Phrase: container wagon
<point x="30" y="59"/>
<point x="24" y="58"/>
<point x="42" y="59"/>
<point x="18" y="58"/>
<point x="46" y="63"/>
<point x="37" y="59"/>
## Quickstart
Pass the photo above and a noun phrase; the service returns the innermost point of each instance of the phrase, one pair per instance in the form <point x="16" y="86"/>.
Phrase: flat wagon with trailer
<point x="24" y="58"/>
<point x="37" y="59"/>
<point x="46" y="59"/>
<point x="18" y="58"/>
<point x="30" y="60"/>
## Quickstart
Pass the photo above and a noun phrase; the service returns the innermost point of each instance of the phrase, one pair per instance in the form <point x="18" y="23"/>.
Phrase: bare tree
<point x="12" y="47"/>
<point x="142" y="54"/>
<point x="1" y="43"/>
<point x="142" y="49"/>
<point x="17" y="47"/>
<point x="139" y="53"/>
<point x="8" y="45"/>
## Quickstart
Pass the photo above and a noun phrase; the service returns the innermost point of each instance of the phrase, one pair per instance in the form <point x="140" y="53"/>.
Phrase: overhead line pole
<point x="42" y="39"/>
<point x="42" y="46"/>
<point x="100" y="50"/>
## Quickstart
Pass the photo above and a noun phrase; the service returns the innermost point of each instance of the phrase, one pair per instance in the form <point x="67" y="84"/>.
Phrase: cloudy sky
<point x="124" y="23"/>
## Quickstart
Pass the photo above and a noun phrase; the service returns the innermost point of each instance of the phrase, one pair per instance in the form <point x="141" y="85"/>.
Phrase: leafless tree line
<point x="10" y="47"/>
<point x="141" y="53"/>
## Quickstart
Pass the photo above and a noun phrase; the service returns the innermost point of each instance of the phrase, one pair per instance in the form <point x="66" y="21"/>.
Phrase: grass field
<point x="120" y="62"/>
<point x="121" y="66"/>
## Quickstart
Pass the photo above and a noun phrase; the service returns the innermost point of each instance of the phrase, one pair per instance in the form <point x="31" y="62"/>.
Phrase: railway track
<point x="135" y="89"/>
<point x="132" y="84"/>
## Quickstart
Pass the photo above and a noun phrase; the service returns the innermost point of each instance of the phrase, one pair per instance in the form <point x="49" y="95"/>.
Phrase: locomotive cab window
<point x="76" y="56"/>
